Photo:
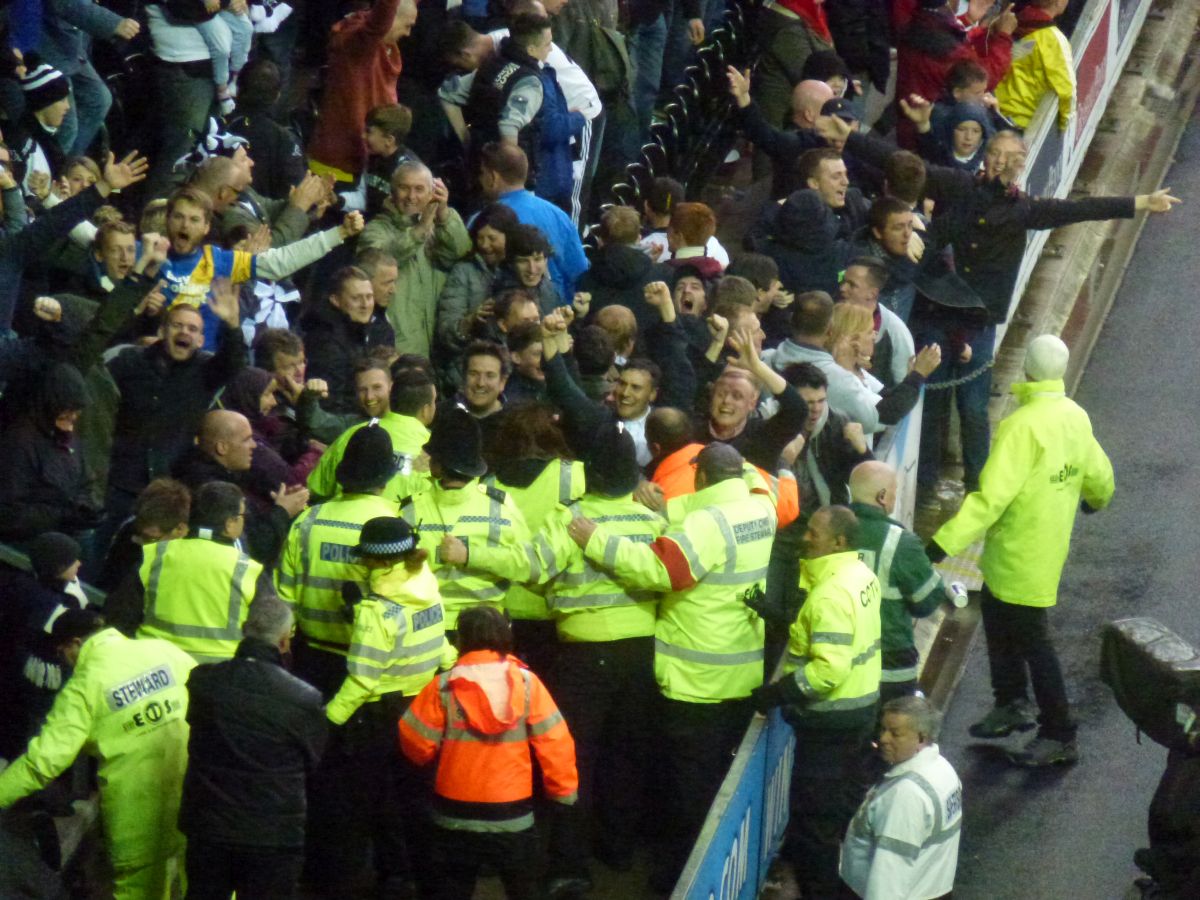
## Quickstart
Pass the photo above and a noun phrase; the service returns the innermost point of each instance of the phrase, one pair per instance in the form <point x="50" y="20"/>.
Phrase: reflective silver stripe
<point x="564" y="481"/>
<point x="535" y="568"/>
<point x="831" y="637"/>
<point x="611" y="546"/>
<point x="934" y="800"/>
<point x="844" y="703"/>
<point x="944" y="835"/>
<point x="887" y="554"/>
<point x="421" y="728"/>
<point x="417" y="668"/>
<point x="727" y="536"/>
<point x="892" y="676"/>
<point x="487" y="594"/>
<point x="736" y="577"/>
<point x="867" y="655"/>
<point x="707" y="658"/>
<point x="324" y="582"/>
<point x="500" y="826"/>
<point x="586" y="601"/>
<point x="802" y="682"/>
<point x="286" y="580"/>
<point x="336" y="523"/>
<point x="681" y="540"/>
<point x="891" y="593"/>
<point x="538" y="728"/>
<point x="627" y="517"/>
<point x="305" y="535"/>
<point x="547" y="554"/>
<point x="900" y="848"/>
<point x="800" y="661"/>
<point x="495" y="523"/>
<point x="160" y="551"/>
<point x="427" y="646"/>
<point x="931" y="584"/>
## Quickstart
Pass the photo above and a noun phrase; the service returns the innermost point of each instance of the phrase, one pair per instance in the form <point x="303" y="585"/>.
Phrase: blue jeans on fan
<point x="90" y="102"/>
<point x="679" y="50"/>
<point x="647" y="44"/>
<point x="971" y="399"/>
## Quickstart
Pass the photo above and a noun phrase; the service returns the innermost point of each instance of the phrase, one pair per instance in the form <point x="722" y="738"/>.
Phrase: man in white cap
<point x="1043" y="460"/>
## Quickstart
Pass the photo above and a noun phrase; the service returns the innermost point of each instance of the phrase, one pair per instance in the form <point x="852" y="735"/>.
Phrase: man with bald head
<point x="426" y="237"/>
<point x="912" y="588"/>
<point x="781" y="146"/>
<point x="224" y="451"/>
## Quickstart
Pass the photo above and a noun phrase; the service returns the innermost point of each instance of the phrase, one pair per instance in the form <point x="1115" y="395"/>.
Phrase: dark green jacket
<point x="911" y="586"/>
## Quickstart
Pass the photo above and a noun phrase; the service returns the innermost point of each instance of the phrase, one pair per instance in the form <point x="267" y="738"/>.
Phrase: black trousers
<point x="216" y="871"/>
<point x="829" y="780"/>
<point x="1020" y="651"/>
<point x="699" y="741"/>
<point x="459" y="855"/>
<point x="606" y="692"/>
<point x="366" y="796"/>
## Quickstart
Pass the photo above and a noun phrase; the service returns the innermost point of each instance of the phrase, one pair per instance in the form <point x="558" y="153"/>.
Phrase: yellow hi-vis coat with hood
<point x="126" y="705"/>
<point x="1043" y="459"/>
<point x="708" y="644"/>
<point x="398" y="643"/>
<point x="833" y="652"/>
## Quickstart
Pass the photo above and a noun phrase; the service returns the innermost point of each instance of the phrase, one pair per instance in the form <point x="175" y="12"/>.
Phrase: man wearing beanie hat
<point x="1044" y="459"/>
<point x="708" y="641"/>
<point x="126" y="704"/>
<point x="319" y="571"/>
<point x="459" y="513"/>
<point x="34" y="141"/>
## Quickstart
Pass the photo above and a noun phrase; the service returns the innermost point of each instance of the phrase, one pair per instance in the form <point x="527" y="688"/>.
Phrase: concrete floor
<point x="1070" y="833"/>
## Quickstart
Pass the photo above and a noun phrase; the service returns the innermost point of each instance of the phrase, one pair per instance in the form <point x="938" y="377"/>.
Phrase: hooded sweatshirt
<point x="481" y="720"/>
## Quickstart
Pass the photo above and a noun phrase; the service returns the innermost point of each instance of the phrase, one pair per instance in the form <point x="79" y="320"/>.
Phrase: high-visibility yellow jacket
<point x="398" y="642"/>
<point x="479" y="515"/>
<point x="1042" y="61"/>
<point x="708" y="643"/>
<point x="558" y="485"/>
<point x="126" y="705"/>
<point x="409" y="436"/>
<point x="317" y="567"/>
<point x="1043" y="459"/>
<point x="587" y="602"/>
<point x="834" y="645"/>
<point x="197" y="593"/>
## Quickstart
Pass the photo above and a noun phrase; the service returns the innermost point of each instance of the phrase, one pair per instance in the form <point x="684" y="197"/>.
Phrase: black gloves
<point x="777" y="612"/>
<point x="784" y="692"/>
<point x="935" y="552"/>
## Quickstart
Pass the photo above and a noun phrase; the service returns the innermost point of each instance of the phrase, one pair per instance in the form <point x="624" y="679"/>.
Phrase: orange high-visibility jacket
<point x="676" y="475"/>
<point x="481" y="719"/>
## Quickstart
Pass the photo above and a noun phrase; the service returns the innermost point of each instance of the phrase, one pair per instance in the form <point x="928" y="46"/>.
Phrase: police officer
<point x="912" y="588"/>
<point x="1043" y="460"/>
<point x="532" y="467"/>
<point x="459" y="513"/>
<point x="318" y="573"/>
<point x="708" y="642"/>
<point x="829" y="690"/>
<point x="126" y="703"/>
<point x="604" y="673"/>
<point x="198" y="589"/>
<point x="412" y="404"/>
<point x="364" y="793"/>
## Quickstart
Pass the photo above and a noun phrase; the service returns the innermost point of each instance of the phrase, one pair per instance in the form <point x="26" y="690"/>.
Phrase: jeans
<point x="647" y="44"/>
<point x="185" y="99"/>
<point x="1021" y="650"/>
<point x="90" y="102"/>
<point x="678" y="52"/>
<point x="971" y="399"/>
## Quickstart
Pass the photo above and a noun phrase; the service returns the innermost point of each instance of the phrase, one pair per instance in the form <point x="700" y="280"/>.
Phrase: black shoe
<point x="1042" y="752"/>
<point x="568" y="887"/>
<point x="1003" y="721"/>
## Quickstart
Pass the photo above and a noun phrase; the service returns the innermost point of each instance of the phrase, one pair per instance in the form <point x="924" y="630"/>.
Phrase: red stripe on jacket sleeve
<point x="676" y="563"/>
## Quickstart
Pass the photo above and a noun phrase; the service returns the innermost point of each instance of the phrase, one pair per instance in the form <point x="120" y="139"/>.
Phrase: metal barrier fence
<point x="746" y="822"/>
